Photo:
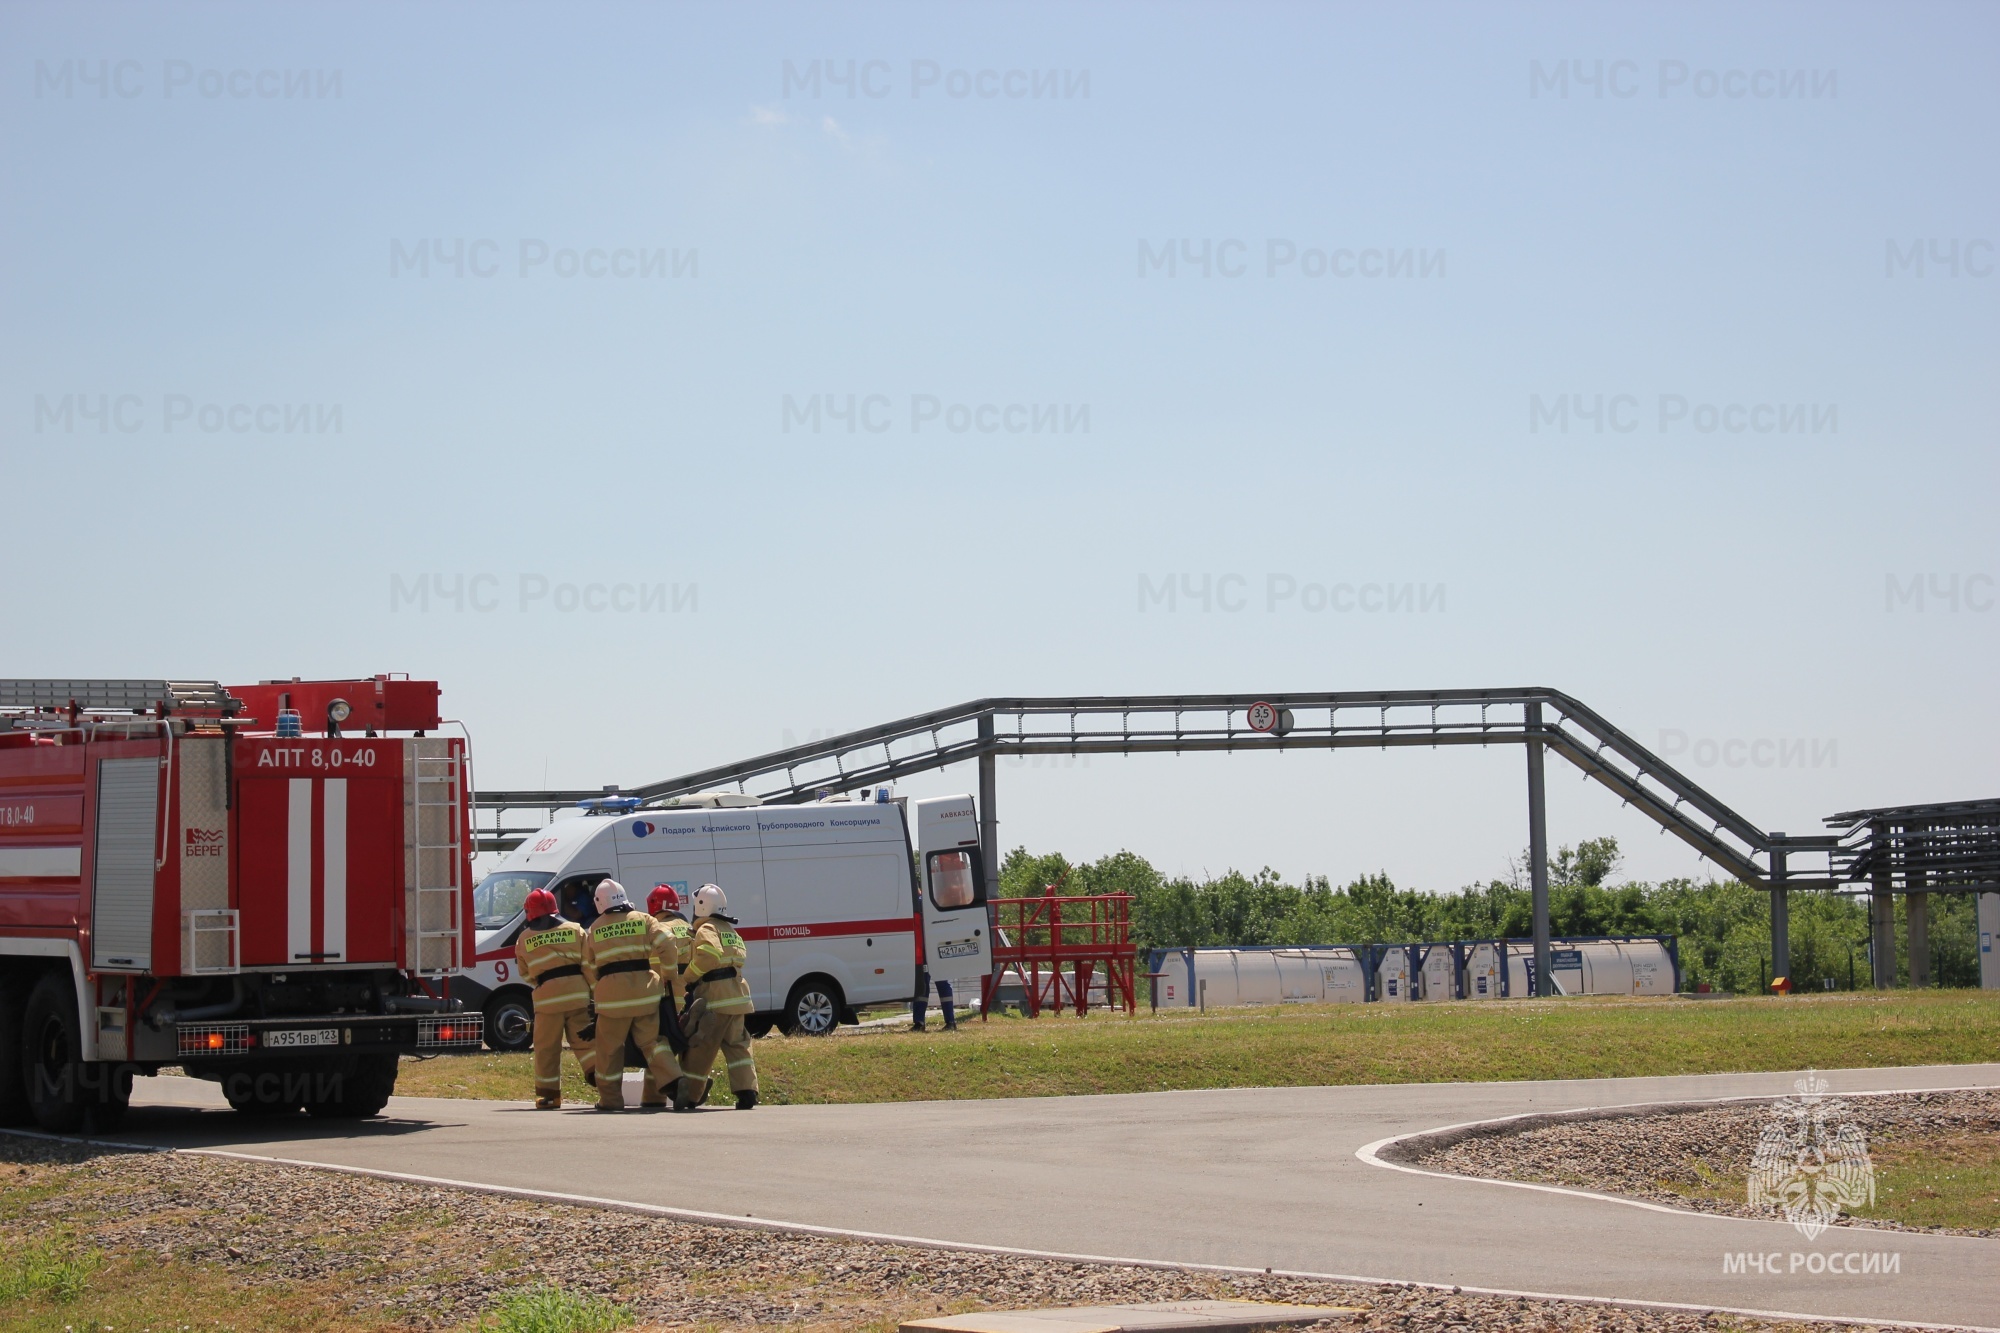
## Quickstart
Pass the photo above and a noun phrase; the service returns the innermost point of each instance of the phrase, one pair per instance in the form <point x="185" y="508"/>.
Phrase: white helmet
<point x="709" y="900"/>
<point x="610" y="893"/>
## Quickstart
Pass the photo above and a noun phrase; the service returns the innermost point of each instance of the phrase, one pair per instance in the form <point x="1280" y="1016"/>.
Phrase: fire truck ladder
<point x="435" y="856"/>
<point x="114" y="696"/>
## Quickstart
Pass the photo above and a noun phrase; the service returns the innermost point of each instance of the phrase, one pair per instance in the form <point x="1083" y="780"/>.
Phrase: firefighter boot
<point x="746" y="1100"/>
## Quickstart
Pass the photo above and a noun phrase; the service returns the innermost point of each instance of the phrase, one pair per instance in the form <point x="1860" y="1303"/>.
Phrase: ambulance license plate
<point x="959" y="949"/>
<point x="303" y="1037"/>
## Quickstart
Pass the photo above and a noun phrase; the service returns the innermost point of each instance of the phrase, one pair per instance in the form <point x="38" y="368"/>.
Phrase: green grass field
<point x="1306" y="1045"/>
<point x="1921" y="1180"/>
<point x="1947" y="1180"/>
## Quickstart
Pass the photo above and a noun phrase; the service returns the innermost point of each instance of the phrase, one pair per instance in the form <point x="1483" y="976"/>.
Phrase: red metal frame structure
<point x="1057" y="944"/>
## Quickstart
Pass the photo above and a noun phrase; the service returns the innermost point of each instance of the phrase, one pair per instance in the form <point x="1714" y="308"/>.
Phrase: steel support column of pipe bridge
<point x="1917" y="923"/>
<point x="1781" y="912"/>
<point x="1882" y="928"/>
<point x="1538" y="851"/>
<point x="989" y="820"/>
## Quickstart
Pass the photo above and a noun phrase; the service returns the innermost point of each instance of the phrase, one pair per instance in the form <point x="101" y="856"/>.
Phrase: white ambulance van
<point x="839" y="900"/>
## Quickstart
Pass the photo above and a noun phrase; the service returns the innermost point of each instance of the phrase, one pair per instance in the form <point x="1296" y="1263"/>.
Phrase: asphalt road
<point x="1250" y="1178"/>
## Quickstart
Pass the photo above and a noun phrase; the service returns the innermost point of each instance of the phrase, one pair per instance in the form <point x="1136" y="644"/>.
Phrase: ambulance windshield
<point x="500" y="895"/>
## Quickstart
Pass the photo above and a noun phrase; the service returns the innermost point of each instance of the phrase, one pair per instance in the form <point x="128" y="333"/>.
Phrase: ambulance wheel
<point x="813" y="1010"/>
<point x="13" y="1087"/>
<point x="759" y="1025"/>
<point x="359" y="1087"/>
<point x="510" y="1021"/>
<point x="64" y="1093"/>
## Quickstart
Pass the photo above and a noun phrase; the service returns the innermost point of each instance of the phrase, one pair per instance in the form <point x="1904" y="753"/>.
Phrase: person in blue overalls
<point x="946" y="1002"/>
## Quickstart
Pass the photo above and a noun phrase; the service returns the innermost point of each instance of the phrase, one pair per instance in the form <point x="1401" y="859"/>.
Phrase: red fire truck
<point x="264" y="885"/>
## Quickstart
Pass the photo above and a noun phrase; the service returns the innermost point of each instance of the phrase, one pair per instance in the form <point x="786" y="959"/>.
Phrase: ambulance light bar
<point x="608" y="805"/>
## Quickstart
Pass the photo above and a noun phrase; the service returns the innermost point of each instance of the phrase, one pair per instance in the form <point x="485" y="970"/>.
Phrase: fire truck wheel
<point x="813" y="1010"/>
<point x="510" y="1021"/>
<point x="13" y="1087"/>
<point x="264" y="1089"/>
<point x="361" y="1089"/>
<point x="64" y="1092"/>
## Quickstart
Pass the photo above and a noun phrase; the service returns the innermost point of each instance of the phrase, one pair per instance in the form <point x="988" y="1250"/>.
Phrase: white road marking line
<point x="1371" y="1152"/>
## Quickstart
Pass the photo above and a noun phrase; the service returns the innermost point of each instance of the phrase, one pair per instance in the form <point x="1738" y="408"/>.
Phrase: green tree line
<point x="1722" y="926"/>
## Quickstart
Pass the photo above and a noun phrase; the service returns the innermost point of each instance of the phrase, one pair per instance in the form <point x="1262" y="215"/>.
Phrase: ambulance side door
<point x="957" y="940"/>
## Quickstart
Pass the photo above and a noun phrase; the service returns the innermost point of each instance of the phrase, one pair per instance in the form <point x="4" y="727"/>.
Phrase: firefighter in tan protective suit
<point x="624" y="957"/>
<point x="663" y="904"/>
<point x="549" y="956"/>
<point x="720" y="1002"/>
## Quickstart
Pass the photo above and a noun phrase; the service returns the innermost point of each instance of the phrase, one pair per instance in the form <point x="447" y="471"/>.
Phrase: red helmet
<point x="663" y="898"/>
<point x="540" y="903"/>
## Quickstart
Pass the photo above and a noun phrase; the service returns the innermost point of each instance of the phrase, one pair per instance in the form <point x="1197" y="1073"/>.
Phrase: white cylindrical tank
<point x="1393" y="976"/>
<point x="1989" y="935"/>
<point x="1437" y="973"/>
<point x="1272" y="976"/>
<point x="1566" y="968"/>
<point x="1520" y="966"/>
<point x="1255" y="973"/>
<point x="1298" y="980"/>
<point x="1607" y="970"/>
<point x="1343" y="978"/>
<point x="1173" y="988"/>
<point x="1482" y="972"/>
<point x="1339" y="974"/>
<point x="1652" y="966"/>
<point x="1595" y="967"/>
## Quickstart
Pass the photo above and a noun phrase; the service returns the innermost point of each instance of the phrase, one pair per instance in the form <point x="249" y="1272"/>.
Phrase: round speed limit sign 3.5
<point x="1261" y="716"/>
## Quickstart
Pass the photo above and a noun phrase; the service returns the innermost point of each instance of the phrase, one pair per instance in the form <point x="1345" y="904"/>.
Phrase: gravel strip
<point x="1673" y="1154"/>
<point x="414" y="1256"/>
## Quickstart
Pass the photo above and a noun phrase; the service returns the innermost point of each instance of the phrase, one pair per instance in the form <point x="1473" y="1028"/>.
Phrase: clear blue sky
<point x="214" y="215"/>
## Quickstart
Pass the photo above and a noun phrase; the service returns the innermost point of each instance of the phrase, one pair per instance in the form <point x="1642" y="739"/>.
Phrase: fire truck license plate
<point x="303" y="1037"/>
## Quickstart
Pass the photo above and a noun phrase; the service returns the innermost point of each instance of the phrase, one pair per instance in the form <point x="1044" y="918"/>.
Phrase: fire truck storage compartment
<point x="121" y="891"/>
<point x="319" y="850"/>
<point x="377" y="703"/>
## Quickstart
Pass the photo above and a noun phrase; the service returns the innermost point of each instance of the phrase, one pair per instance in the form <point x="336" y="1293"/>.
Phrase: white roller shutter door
<point x="121" y="902"/>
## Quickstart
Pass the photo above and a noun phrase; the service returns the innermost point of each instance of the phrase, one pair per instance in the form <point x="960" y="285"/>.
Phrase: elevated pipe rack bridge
<point x="1534" y="717"/>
